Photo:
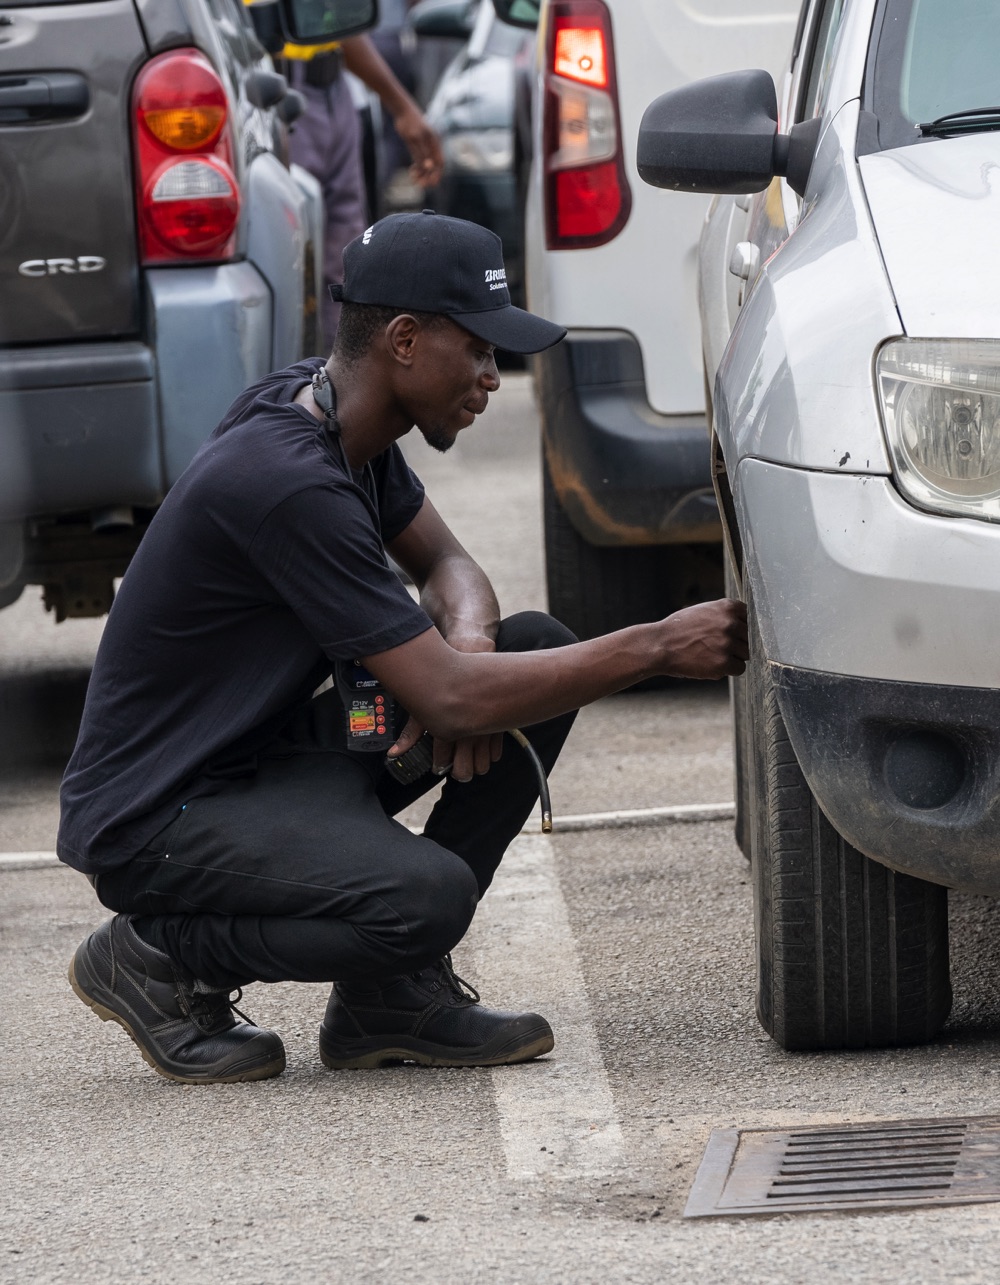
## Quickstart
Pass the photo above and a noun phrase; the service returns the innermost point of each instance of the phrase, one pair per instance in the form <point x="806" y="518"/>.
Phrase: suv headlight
<point x="941" y="406"/>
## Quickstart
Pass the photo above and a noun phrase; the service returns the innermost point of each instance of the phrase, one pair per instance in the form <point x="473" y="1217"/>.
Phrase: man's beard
<point x="438" y="439"/>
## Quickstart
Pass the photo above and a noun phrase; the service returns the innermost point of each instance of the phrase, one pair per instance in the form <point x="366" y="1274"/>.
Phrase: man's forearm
<point x="458" y="695"/>
<point x="460" y="600"/>
<point x="363" y="60"/>
<point x="491" y="693"/>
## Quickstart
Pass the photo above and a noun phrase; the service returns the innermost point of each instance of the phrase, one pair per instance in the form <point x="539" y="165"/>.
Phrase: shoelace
<point x="459" y="987"/>
<point x="206" y="1007"/>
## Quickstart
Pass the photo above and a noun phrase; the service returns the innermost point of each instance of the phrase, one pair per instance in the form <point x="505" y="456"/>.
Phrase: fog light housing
<point x="923" y="768"/>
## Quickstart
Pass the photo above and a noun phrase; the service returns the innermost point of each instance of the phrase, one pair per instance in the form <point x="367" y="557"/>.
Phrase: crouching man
<point x="235" y="821"/>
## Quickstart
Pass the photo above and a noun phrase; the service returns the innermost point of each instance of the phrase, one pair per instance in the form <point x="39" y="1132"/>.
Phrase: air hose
<point x="543" y="780"/>
<point x="418" y="760"/>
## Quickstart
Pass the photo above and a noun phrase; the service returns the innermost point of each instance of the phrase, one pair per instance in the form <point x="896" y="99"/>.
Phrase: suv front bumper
<point x="879" y="623"/>
<point x="624" y="474"/>
<point x="847" y="578"/>
<point x="908" y="773"/>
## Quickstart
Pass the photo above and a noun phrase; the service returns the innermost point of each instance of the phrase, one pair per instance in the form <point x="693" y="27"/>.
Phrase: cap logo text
<point x="496" y="278"/>
<point x="367" y="236"/>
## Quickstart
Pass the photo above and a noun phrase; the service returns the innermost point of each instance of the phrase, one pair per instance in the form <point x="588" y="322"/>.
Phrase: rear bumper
<point x="909" y="773"/>
<point x="79" y="429"/>
<point x="213" y="331"/>
<point x="624" y="474"/>
<point x="88" y="426"/>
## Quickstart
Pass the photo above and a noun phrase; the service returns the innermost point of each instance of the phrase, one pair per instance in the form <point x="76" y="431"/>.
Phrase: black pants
<point x="295" y="871"/>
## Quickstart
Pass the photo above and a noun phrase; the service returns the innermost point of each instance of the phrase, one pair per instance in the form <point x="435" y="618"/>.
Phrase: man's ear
<point x="400" y="338"/>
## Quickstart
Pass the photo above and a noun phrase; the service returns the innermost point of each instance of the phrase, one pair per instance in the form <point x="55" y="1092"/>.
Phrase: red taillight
<point x="186" y="192"/>
<point x="193" y="206"/>
<point x="581" y="54"/>
<point x="587" y="198"/>
<point x="587" y="194"/>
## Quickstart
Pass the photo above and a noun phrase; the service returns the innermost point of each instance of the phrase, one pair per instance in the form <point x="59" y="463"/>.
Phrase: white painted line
<point x="557" y="1116"/>
<point x="28" y="860"/>
<point x="681" y="813"/>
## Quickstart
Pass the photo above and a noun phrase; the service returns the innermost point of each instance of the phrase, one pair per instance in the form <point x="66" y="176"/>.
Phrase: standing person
<point x="326" y="141"/>
<point x="229" y="816"/>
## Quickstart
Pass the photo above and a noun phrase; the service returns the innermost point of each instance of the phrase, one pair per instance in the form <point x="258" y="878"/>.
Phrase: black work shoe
<point x="184" y="1029"/>
<point x="431" y="1017"/>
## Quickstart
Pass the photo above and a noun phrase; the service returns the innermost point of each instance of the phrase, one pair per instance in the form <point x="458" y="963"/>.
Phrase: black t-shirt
<point x="264" y="564"/>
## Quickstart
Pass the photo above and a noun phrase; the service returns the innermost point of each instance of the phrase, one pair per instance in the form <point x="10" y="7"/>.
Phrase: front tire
<point x="850" y="954"/>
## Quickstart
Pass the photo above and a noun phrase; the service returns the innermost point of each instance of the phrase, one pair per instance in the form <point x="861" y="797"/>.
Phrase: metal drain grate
<point x="893" y="1164"/>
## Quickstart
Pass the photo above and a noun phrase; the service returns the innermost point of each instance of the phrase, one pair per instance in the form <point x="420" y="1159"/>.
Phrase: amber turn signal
<point x="185" y="129"/>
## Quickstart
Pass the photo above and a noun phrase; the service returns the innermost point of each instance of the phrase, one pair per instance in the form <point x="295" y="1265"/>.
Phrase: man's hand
<point x="474" y="756"/>
<point x="467" y="699"/>
<point x="364" y="60"/>
<point x="466" y="758"/>
<point x="706" y="641"/>
<point x="423" y="144"/>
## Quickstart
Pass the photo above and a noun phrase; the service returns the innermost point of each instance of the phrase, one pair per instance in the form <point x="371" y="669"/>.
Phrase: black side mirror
<point x="721" y="135"/>
<point x="266" y="89"/>
<point x="311" y="22"/>
<point x="518" y="13"/>
<point x="447" y="19"/>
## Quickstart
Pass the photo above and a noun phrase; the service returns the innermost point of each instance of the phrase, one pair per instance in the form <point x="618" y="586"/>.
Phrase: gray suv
<point x="157" y="255"/>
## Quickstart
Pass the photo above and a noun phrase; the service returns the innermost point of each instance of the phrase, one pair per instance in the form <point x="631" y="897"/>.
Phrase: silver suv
<point x="852" y="338"/>
<point x="157" y="255"/>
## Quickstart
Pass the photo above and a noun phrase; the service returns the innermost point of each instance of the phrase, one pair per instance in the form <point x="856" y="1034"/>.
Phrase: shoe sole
<point x="265" y="1072"/>
<point x="368" y="1055"/>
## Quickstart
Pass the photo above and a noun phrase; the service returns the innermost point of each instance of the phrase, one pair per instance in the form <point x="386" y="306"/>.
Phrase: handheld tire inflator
<point x="371" y="726"/>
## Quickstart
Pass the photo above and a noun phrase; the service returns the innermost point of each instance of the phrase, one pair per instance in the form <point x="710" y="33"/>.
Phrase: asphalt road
<point x="636" y="943"/>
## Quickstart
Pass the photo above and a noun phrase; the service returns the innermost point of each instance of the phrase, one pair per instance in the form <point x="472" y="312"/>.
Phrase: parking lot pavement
<point x="572" y="1169"/>
<point x="636" y="943"/>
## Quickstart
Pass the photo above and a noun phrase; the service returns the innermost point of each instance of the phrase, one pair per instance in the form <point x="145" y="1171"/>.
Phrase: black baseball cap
<point x="430" y="262"/>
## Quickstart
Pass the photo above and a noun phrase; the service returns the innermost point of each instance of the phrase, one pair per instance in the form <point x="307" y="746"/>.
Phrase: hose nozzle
<point x="543" y="781"/>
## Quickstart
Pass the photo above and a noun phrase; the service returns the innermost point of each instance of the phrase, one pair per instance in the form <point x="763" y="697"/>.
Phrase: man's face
<point x="451" y="378"/>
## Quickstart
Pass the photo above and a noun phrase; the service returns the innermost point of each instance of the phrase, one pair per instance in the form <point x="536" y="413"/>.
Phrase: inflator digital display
<point x="368" y="706"/>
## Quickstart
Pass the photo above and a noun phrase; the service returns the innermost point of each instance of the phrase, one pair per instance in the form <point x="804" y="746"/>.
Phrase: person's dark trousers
<point x="295" y="871"/>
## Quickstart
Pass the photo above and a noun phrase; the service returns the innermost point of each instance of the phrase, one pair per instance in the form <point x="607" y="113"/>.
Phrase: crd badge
<point x="52" y="267"/>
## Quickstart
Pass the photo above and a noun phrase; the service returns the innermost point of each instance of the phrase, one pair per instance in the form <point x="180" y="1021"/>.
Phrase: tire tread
<point x="850" y="953"/>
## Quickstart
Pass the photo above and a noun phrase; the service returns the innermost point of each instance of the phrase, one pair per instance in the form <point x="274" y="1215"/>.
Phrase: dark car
<point x="157" y="254"/>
